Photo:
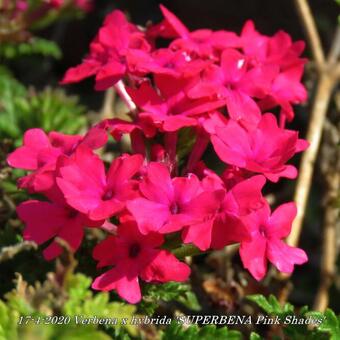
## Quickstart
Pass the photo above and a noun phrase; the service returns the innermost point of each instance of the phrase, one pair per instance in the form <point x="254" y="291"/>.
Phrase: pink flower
<point x="265" y="149"/>
<point x="278" y="51"/>
<point x="40" y="153"/>
<point x="223" y="226"/>
<point x="165" y="61"/>
<point x="134" y="255"/>
<point x="45" y="220"/>
<point x="172" y="202"/>
<point x="88" y="189"/>
<point x="286" y="90"/>
<point x="267" y="231"/>
<point x="203" y="43"/>
<point x="237" y="84"/>
<point x="243" y="199"/>
<point x="108" y="51"/>
<point x="170" y="109"/>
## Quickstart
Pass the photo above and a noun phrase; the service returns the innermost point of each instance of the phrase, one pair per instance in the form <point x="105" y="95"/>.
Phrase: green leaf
<point x="34" y="45"/>
<point x="193" y="332"/>
<point x="254" y="336"/>
<point x="8" y="323"/>
<point x="170" y="291"/>
<point x="331" y="323"/>
<point x="22" y="109"/>
<point x="271" y="305"/>
<point x="82" y="302"/>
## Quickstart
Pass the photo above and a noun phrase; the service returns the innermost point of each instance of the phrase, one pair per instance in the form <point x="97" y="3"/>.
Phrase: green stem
<point x="186" y="250"/>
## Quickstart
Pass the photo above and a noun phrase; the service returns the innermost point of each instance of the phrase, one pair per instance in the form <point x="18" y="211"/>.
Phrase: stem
<point x="120" y="88"/>
<point x="328" y="77"/>
<point x="107" y="108"/>
<point x="201" y="143"/>
<point x="170" y="144"/>
<point x="173" y="241"/>
<point x="313" y="37"/>
<point x="138" y="142"/>
<point x="319" y="110"/>
<point x="334" y="51"/>
<point x="326" y="82"/>
<point x="330" y="167"/>
<point x="9" y="252"/>
<point x="187" y="250"/>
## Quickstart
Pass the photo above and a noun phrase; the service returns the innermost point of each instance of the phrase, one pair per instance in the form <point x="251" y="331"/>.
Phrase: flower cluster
<point x="216" y="85"/>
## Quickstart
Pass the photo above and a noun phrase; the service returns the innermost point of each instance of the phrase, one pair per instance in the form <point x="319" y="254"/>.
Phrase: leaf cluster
<point x="329" y="328"/>
<point x="22" y="109"/>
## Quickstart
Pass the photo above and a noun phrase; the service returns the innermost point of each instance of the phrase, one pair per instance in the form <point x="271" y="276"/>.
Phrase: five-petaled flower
<point x="133" y="256"/>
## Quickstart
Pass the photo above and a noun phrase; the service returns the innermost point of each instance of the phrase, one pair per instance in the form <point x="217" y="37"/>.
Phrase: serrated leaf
<point x="170" y="291"/>
<point x="34" y="45"/>
<point x="193" y="332"/>
<point x="50" y="109"/>
<point x="271" y="305"/>
<point x="330" y="324"/>
<point x="81" y="301"/>
<point x="254" y="336"/>
<point x="8" y="322"/>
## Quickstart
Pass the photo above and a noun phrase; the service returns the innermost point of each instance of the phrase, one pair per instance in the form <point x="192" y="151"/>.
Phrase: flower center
<point x="169" y="65"/>
<point x="263" y="231"/>
<point x="174" y="208"/>
<point x="72" y="213"/>
<point x="134" y="250"/>
<point x="108" y="194"/>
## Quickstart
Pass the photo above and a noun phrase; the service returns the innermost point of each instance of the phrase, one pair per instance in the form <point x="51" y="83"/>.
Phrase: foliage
<point x="330" y="325"/>
<point x="22" y="108"/>
<point x="79" y="300"/>
<point x="34" y="45"/>
<point x="178" y="332"/>
<point x="170" y="291"/>
<point x="82" y="302"/>
<point x="321" y="323"/>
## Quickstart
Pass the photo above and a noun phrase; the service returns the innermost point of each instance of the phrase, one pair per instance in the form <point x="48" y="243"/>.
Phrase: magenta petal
<point x="95" y="138"/>
<point x="35" y="214"/>
<point x="157" y="185"/>
<point x="83" y="180"/>
<point x="175" y="23"/>
<point x="86" y="69"/>
<point x="127" y="287"/>
<point x="288" y="171"/>
<point x="165" y="267"/>
<point x="280" y="222"/>
<point x="245" y="196"/>
<point x="26" y="156"/>
<point x="227" y="154"/>
<point x="106" y="209"/>
<point x="122" y="169"/>
<point x="243" y="108"/>
<point x="228" y="229"/>
<point x="186" y="188"/>
<point x="72" y="233"/>
<point x="174" y="123"/>
<point x="23" y="158"/>
<point x="109" y="75"/>
<point x="284" y="257"/>
<point x="253" y="255"/>
<point x="199" y="234"/>
<point x="150" y="216"/>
